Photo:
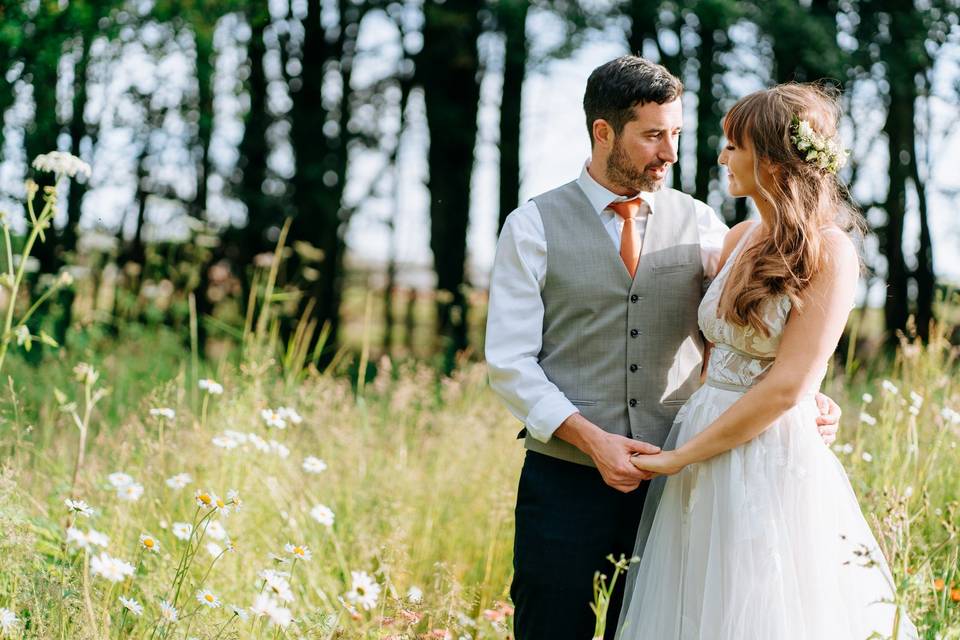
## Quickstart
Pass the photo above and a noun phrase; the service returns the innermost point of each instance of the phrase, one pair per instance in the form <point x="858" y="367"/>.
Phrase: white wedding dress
<point x="763" y="542"/>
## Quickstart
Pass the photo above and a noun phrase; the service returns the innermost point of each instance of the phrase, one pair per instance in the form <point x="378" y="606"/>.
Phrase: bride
<point x="754" y="532"/>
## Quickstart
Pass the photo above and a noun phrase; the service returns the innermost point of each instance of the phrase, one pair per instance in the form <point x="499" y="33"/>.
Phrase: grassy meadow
<point x="241" y="498"/>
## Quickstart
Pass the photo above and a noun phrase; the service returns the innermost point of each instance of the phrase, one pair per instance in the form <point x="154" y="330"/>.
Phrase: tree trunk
<point x="513" y="20"/>
<point x="448" y="69"/>
<point x="898" y="128"/>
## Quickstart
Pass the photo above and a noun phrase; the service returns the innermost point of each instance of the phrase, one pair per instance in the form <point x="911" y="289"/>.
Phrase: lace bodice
<point x="742" y="355"/>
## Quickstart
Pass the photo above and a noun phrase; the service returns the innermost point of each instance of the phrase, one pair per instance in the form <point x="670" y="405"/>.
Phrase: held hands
<point x="664" y="463"/>
<point x="829" y="419"/>
<point x="612" y="455"/>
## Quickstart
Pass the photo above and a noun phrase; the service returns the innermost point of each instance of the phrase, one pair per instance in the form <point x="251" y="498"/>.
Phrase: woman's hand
<point x="664" y="463"/>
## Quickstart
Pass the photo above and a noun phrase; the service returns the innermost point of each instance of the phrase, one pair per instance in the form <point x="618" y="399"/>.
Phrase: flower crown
<point x="826" y="153"/>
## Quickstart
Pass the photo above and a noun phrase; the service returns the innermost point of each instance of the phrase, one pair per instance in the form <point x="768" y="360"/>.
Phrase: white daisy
<point x="86" y="540"/>
<point x="233" y="499"/>
<point x="866" y="457"/>
<point x="259" y="443"/>
<point x="237" y="436"/>
<point x="112" y="569"/>
<point x="264" y="605"/>
<point x="205" y="499"/>
<point x="300" y="552"/>
<point x="866" y="418"/>
<point x="168" y="612"/>
<point x="278" y="583"/>
<point x="179" y="481"/>
<point x="415" y="594"/>
<point x="120" y="479"/>
<point x="916" y="399"/>
<point x="238" y="611"/>
<point x="290" y="414"/>
<point x="163" y="412"/>
<point x="182" y="530"/>
<point x="322" y="514"/>
<point x="214" y="549"/>
<point x="273" y="419"/>
<point x="889" y="387"/>
<point x="215" y="530"/>
<point x="867" y="398"/>
<point x="131" y="605"/>
<point x="130" y="493"/>
<point x="9" y="623"/>
<point x="279" y="449"/>
<point x="149" y="543"/>
<point x="79" y="507"/>
<point x="208" y="599"/>
<point x="950" y="415"/>
<point x="365" y="591"/>
<point x="212" y="387"/>
<point x="224" y="442"/>
<point x="314" y="465"/>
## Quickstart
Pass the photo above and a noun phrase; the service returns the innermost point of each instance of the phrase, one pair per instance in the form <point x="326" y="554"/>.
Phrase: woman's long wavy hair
<point x="806" y="200"/>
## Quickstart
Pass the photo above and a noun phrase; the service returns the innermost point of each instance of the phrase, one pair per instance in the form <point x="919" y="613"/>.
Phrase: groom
<point x="592" y="342"/>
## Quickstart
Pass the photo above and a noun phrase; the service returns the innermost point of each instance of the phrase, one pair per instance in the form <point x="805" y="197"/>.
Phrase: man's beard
<point x="622" y="172"/>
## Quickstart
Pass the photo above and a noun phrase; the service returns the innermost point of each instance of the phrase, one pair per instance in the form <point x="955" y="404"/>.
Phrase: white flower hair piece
<point x="827" y="154"/>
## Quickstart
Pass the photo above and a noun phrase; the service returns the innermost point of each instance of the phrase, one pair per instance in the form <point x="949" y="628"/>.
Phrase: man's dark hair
<point x="615" y="87"/>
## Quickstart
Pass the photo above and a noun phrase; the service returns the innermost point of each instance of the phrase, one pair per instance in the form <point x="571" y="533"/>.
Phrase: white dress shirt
<point x="515" y="312"/>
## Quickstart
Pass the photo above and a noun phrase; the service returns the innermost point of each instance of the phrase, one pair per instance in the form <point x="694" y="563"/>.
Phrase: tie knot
<point x="627" y="209"/>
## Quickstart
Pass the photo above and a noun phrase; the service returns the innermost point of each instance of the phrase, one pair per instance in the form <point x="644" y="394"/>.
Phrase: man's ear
<point x="602" y="133"/>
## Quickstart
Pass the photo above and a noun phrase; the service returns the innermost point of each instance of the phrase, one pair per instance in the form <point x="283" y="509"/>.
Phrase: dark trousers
<point x="567" y="522"/>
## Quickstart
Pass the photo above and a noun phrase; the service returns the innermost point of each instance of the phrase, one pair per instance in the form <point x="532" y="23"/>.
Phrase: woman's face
<point x="739" y="161"/>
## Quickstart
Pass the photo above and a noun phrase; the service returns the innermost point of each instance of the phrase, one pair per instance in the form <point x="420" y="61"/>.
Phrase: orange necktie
<point x="630" y="238"/>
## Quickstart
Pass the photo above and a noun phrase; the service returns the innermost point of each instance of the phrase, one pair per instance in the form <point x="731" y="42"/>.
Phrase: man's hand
<point x="829" y="419"/>
<point x="612" y="456"/>
<point x="611" y="453"/>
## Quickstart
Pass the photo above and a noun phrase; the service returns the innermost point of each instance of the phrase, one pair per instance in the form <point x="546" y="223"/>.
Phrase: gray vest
<point x="626" y="352"/>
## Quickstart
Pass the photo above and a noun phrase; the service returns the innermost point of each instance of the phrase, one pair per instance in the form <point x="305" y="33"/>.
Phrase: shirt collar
<point x="599" y="196"/>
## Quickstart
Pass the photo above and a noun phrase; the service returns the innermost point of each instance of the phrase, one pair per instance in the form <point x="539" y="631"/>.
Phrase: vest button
<point x="634" y="298"/>
<point x="634" y="333"/>
<point x="634" y="368"/>
<point x="633" y="402"/>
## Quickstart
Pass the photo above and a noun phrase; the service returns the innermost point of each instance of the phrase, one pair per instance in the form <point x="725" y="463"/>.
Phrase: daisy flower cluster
<point x="825" y="153"/>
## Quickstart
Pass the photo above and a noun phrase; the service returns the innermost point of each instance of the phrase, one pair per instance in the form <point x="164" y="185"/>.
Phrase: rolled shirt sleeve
<point x="712" y="232"/>
<point x="514" y="334"/>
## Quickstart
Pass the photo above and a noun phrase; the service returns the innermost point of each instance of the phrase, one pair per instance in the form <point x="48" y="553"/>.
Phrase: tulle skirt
<point x="766" y="541"/>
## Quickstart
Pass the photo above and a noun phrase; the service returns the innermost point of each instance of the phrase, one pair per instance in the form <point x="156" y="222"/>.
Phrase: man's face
<point x="640" y="156"/>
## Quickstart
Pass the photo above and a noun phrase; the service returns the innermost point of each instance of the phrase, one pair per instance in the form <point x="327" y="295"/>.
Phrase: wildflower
<point x="908" y="492"/>
<point x="9" y="623"/>
<point x="120" y="479"/>
<point x="168" y="612"/>
<point x="131" y="492"/>
<point x="163" y="412"/>
<point x="264" y="605"/>
<point x="86" y="540"/>
<point x="415" y="594"/>
<point x="323" y="515"/>
<point x="61" y="163"/>
<point x="950" y="415"/>
<point x="273" y="419"/>
<point x="182" y="530"/>
<point x="867" y="398"/>
<point x="179" y="481"/>
<point x="79" y="507"/>
<point x="955" y="595"/>
<point x="238" y="611"/>
<point x="938" y="584"/>
<point x="866" y="418"/>
<point x="212" y="387"/>
<point x="112" y="569"/>
<point x="224" y="442"/>
<point x="233" y="499"/>
<point x="848" y="448"/>
<point x="298" y="552"/>
<point x="215" y="530"/>
<point x="258" y="443"/>
<point x="208" y="599"/>
<point x="287" y="413"/>
<point x="279" y="449"/>
<point x="314" y="465"/>
<point x="131" y="605"/>
<point x="889" y="387"/>
<point x="914" y="410"/>
<point x="916" y="399"/>
<point x="866" y="457"/>
<point x="365" y="591"/>
<point x="214" y="549"/>
<point x="23" y="335"/>
<point x="207" y="499"/>
<point x="85" y="374"/>
<point x="149" y="543"/>
<point x="278" y="583"/>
